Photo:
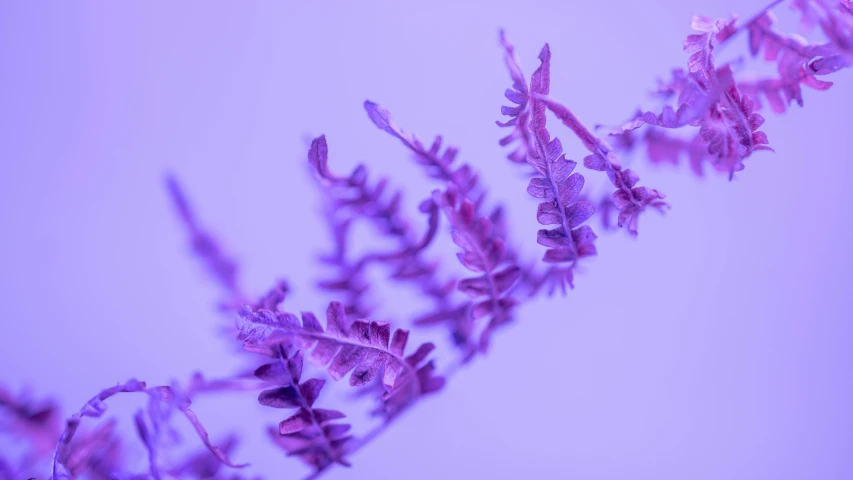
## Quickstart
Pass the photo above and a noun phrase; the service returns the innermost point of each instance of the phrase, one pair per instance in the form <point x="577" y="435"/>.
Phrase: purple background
<point x="718" y="345"/>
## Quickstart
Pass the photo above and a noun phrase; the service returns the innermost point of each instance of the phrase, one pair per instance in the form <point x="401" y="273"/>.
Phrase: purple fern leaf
<point x="708" y="97"/>
<point x="483" y="253"/>
<point x="557" y="186"/>
<point x="205" y="245"/>
<point x="311" y="433"/>
<point x="798" y="63"/>
<point x="363" y="348"/>
<point x="351" y="198"/>
<point x="519" y="114"/>
<point x="94" y="408"/>
<point x="98" y="452"/>
<point x="439" y="164"/>
<point x="628" y="198"/>
<point x="731" y="129"/>
<point x="350" y="281"/>
<point x="701" y="45"/>
<point x="463" y="183"/>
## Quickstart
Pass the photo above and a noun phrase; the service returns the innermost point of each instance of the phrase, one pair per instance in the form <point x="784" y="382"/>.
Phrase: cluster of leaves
<point x="100" y="452"/>
<point x="350" y="198"/>
<point x="723" y="107"/>
<point x="361" y="349"/>
<point x="557" y="185"/>
<point x="484" y="247"/>
<point x="349" y="343"/>
<point x="439" y="164"/>
<point x="528" y="121"/>
<point x="797" y="64"/>
<point x="707" y="98"/>
<point x="311" y="433"/>
<point x="483" y="252"/>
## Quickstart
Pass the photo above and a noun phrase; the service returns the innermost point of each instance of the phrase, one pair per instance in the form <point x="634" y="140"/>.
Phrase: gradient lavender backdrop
<point x="717" y="346"/>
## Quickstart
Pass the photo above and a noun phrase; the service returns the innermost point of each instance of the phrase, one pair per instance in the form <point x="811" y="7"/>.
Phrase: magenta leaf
<point x="220" y="265"/>
<point x="630" y="201"/>
<point x="382" y="118"/>
<point x="439" y="165"/>
<point x="519" y="114"/>
<point x="304" y="433"/>
<point x="94" y="408"/>
<point x="483" y="251"/>
<point x="310" y="390"/>
<point x="284" y="397"/>
<point x="557" y="185"/>
<point x="72" y="456"/>
<point x="297" y="423"/>
<point x="708" y="99"/>
<point x="579" y="212"/>
<point x="325" y="416"/>
<point x="318" y="157"/>
<point x="355" y="197"/>
<point x="360" y="348"/>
